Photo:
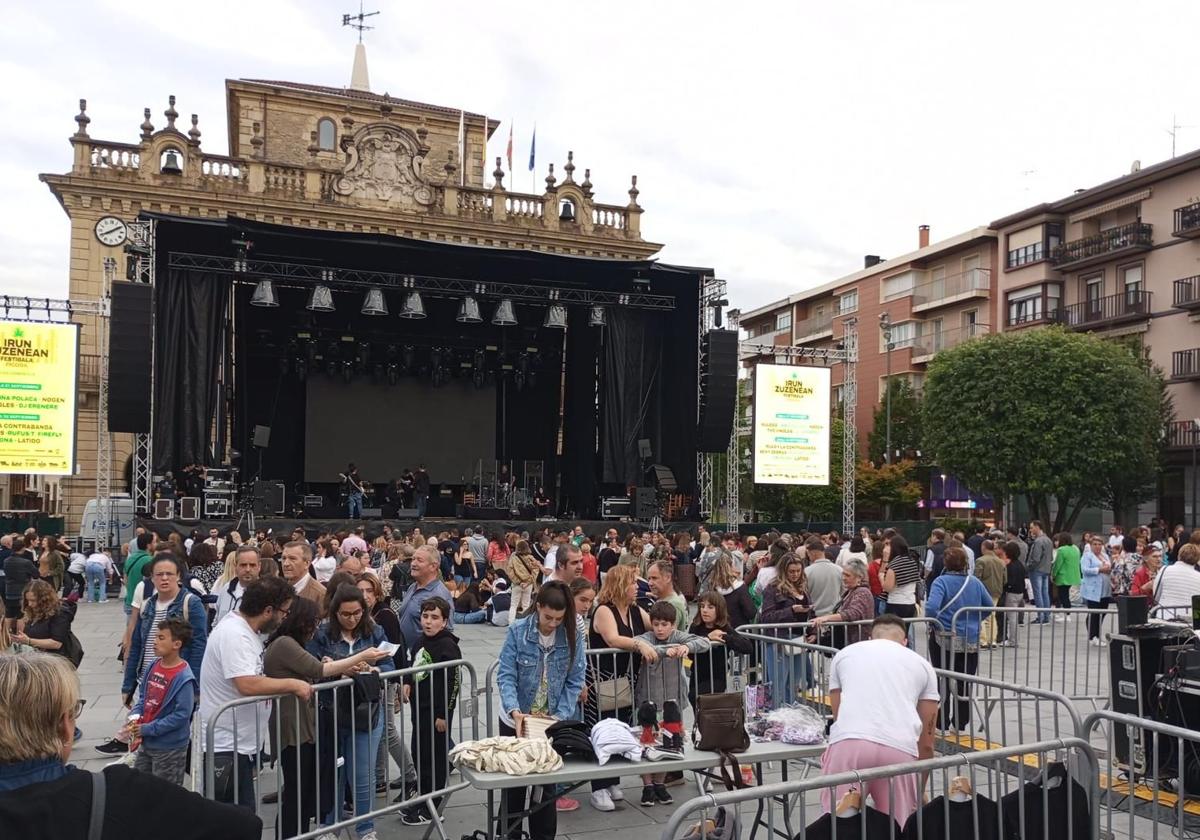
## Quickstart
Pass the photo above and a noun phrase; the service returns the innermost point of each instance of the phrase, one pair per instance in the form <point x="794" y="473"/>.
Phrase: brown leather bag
<point x="721" y="723"/>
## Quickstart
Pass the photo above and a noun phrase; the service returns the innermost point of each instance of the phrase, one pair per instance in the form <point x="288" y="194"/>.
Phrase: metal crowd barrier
<point x="314" y="779"/>
<point x="1046" y="790"/>
<point x="1150" y="771"/>
<point x="1168" y="613"/>
<point x="1055" y="656"/>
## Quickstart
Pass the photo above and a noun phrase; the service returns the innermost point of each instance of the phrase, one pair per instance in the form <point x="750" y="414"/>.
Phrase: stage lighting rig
<point x="393" y="373"/>
<point x="348" y="371"/>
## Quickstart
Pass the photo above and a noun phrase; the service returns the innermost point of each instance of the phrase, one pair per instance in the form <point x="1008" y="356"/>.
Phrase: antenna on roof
<point x="1174" y="129"/>
<point x="357" y="21"/>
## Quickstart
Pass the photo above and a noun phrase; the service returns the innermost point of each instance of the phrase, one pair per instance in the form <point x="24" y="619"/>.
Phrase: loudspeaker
<point x="718" y="390"/>
<point x="129" y="353"/>
<point x="664" y="478"/>
<point x="164" y="508"/>
<point x="269" y="497"/>
<point x="189" y="509"/>
<point x="645" y="503"/>
<point x="262" y="436"/>
<point x="405" y="513"/>
<point x="372" y="513"/>
<point x="644" y="450"/>
<point x="1132" y="610"/>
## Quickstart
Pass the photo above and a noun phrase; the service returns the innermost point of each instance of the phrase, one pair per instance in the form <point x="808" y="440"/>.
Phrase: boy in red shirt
<point x="162" y="717"/>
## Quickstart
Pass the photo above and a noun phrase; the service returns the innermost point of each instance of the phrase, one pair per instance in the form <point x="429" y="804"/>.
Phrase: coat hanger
<point x="960" y="789"/>
<point x="850" y="803"/>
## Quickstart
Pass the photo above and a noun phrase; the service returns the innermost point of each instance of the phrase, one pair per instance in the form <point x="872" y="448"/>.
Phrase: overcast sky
<point x="775" y="141"/>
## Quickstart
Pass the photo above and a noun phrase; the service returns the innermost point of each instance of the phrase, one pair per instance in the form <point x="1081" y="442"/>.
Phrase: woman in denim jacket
<point x="540" y="674"/>
<point x="950" y="592"/>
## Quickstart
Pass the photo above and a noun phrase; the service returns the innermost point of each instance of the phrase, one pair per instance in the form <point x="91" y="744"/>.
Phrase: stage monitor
<point x="791" y="424"/>
<point x="385" y="428"/>
<point x="39" y="367"/>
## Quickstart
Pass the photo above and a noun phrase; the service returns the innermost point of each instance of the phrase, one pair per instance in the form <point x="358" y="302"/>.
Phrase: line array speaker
<point x="129" y="357"/>
<point x="718" y="389"/>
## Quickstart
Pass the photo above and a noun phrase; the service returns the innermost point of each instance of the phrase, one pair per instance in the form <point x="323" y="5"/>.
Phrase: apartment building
<point x="936" y="297"/>
<point x="1121" y="260"/>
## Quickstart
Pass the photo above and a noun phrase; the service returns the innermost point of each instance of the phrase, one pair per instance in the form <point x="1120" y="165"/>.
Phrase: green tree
<point x="906" y="422"/>
<point x="877" y="487"/>
<point x="1049" y="415"/>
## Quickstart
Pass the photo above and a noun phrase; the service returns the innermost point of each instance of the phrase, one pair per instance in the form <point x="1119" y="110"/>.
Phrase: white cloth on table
<point x="507" y="754"/>
<point x="612" y="737"/>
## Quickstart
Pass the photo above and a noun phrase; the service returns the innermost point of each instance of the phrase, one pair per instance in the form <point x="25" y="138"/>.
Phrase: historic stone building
<point x="339" y="158"/>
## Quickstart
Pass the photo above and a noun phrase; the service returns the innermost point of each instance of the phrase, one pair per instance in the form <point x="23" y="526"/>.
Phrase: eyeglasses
<point x="350" y="616"/>
<point x="77" y="709"/>
<point x="166" y="574"/>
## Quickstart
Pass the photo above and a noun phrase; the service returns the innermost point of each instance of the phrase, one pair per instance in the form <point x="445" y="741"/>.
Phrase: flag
<point x="532" y="147"/>
<point x="462" y="148"/>
<point x="510" y="138"/>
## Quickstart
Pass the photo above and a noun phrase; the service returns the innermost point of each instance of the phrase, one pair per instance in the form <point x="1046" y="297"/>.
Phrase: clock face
<point x="111" y="231"/>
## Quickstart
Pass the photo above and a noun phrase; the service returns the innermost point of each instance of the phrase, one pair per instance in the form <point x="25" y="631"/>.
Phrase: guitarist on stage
<point x="352" y="486"/>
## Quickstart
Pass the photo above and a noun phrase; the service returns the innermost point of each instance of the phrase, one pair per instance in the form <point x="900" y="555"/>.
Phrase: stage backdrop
<point x="385" y="428"/>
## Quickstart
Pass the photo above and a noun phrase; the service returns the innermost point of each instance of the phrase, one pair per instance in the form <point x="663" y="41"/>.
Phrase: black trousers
<point x="543" y="824"/>
<point x="298" y="799"/>
<point x="1094" y="618"/>
<point x="430" y="748"/>
<point x="1063" y="594"/>
<point x="955" y="711"/>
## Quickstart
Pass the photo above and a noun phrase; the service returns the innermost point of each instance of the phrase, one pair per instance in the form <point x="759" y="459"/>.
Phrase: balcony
<point x="1182" y="434"/>
<point x="89" y="372"/>
<point x="1185" y="365"/>
<point x="925" y="347"/>
<point x="1103" y="246"/>
<point x="1187" y="221"/>
<point x="1105" y="312"/>
<point x="814" y="328"/>
<point x="977" y="282"/>
<point x="1186" y="293"/>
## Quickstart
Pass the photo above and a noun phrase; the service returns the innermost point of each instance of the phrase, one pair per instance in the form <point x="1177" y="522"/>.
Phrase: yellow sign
<point x="38" y="370"/>
<point x="791" y="424"/>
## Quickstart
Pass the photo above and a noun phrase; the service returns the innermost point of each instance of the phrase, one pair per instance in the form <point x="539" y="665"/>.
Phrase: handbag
<point x="947" y="641"/>
<point x="614" y="694"/>
<point x="368" y="688"/>
<point x="721" y="723"/>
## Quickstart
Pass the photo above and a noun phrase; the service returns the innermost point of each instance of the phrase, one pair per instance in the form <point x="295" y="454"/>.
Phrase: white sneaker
<point x="1060" y="619"/>
<point x="615" y="793"/>
<point x="602" y="801"/>
<point x="370" y="835"/>
<point x="328" y="835"/>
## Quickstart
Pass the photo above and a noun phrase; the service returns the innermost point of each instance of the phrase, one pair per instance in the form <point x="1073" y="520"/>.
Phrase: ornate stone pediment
<point x="385" y="163"/>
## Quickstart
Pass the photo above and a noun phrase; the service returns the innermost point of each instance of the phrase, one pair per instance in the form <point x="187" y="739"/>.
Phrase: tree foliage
<point x="1046" y="414"/>
<point x="906" y="421"/>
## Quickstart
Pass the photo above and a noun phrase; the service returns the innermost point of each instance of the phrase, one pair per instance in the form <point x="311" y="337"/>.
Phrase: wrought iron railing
<point x="1127" y="304"/>
<point x="1187" y="218"/>
<point x="1185" y="364"/>
<point x="1186" y="292"/>
<point x="1104" y="242"/>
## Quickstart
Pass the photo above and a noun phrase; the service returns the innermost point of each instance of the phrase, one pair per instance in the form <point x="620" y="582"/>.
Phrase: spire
<point x="358" y="76"/>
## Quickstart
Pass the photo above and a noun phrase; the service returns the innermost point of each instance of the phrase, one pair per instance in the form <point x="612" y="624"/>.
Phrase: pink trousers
<point x="896" y="795"/>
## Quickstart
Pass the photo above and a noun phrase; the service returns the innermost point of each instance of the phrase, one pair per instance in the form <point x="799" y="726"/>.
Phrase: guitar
<point x="348" y="480"/>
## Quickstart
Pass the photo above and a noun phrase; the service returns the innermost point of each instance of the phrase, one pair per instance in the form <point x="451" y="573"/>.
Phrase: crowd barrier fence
<point x="351" y="737"/>
<point x="1019" y="779"/>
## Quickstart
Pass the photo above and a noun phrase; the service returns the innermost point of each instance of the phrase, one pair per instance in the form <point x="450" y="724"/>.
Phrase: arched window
<point x="326" y="135"/>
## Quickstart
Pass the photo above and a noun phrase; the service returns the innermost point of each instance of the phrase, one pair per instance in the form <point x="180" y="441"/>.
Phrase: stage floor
<point x="279" y="526"/>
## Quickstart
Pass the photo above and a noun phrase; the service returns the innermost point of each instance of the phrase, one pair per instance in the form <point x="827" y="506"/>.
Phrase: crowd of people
<point x="214" y="621"/>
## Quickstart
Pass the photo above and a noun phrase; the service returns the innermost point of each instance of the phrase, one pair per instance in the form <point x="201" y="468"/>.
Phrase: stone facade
<point x="323" y="157"/>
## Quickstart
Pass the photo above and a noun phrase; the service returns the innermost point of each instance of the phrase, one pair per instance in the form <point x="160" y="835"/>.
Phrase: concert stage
<point x="288" y="352"/>
<point x="282" y="528"/>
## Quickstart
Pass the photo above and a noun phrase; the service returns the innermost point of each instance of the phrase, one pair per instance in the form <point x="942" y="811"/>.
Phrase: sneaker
<point x="648" y="797"/>
<point x="566" y="803"/>
<point x="1061" y="619"/>
<point x="414" y="816"/>
<point x="602" y="801"/>
<point x="673" y="779"/>
<point x="616" y="794"/>
<point x="398" y="784"/>
<point x="663" y="795"/>
<point x="113" y="747"/>
<point x="370" y="835"/>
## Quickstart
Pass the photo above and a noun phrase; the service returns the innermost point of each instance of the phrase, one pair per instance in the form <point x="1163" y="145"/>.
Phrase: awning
<point x="1123" y="201"/>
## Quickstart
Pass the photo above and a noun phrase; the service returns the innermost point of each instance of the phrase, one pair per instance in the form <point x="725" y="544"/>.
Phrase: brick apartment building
<point x="1121" y="260"/>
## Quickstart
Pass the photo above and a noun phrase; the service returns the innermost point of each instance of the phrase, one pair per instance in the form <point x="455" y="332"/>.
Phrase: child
<point x="661" y="682"/>
<point x="164" y="706"/>
<point x="709" y="669"/>
<point x="432" y="696"/>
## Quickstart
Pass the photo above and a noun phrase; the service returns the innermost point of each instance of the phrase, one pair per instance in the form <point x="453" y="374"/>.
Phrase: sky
<point x="777" y="142"/>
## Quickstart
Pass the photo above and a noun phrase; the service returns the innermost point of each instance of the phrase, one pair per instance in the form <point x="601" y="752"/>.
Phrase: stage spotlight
<point x="320" y="299"/>
<point x="556" y="317"/>
<point x="374" y="303"/>
<point x="468" y="311"/>
<point x="506" y="315"/>
<point x="393" y="373"/>
<point x="332" y="358"/>
<point x="596" y="316"/>
<point x="348" y="371"/>
<point x="413" y="307"/>
<point x="364" y="355"/>
<point x="264" y="294"/>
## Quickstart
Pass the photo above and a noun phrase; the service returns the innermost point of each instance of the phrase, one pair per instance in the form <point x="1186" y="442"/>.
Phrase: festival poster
<point x="791" y="424"/>
<point x="38" y="373"/>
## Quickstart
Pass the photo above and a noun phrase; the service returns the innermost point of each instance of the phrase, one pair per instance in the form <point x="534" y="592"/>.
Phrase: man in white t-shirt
<point x="885" y="700"/>
<point x="232" y="670"/>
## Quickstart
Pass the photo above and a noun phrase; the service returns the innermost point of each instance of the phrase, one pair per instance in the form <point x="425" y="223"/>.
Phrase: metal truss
<point x="141" y="251"/>
<point x="48" y="310"/>
<point x="847" y="355"/>
<point x="712" y="290"/>
<point x="104" y="444"/>
<point x="733" y="455"/>
<point x="353" y="278"/>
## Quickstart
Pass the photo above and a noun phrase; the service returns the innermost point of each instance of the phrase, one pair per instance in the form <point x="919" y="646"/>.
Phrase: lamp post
<point x="885" y="325"/>
<point x="1195" y="445"/>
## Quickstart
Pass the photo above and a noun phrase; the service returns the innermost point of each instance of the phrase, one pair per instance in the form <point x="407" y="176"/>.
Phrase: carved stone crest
<point x="385" y="163"/>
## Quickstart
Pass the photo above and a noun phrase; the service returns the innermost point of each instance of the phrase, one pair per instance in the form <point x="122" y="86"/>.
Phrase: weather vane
<point x="358" y="21"/>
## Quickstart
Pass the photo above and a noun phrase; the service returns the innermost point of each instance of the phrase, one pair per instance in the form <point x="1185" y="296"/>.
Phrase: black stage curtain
<point x="188" y="341"/>
<point x="580" y="419"/>
<point x="633" y="375"/>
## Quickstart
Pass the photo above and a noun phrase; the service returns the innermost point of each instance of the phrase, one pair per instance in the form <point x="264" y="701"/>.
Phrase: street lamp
<point x="1195" y="444"/>
<point x="885" y="325"/>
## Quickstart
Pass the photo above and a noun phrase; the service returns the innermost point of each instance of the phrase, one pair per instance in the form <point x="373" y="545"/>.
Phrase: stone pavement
<point x="1042" y="658"/>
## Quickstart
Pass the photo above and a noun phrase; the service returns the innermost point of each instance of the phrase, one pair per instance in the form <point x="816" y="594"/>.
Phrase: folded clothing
<point x="507" y="754"/>
<point x="612" y="737"/>
<point x="571" y="738"/>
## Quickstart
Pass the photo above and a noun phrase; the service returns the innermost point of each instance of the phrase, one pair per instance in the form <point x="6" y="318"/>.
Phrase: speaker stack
<point x="718" y="389"/>
<point x="129" y="357"/>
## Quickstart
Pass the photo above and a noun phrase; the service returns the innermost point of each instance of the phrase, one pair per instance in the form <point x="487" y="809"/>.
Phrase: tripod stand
<point x="246" y="510"/>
